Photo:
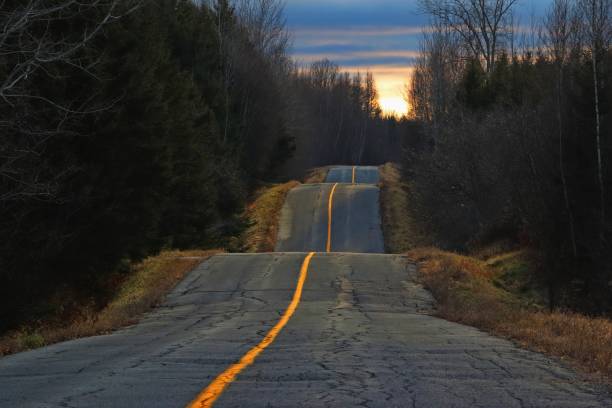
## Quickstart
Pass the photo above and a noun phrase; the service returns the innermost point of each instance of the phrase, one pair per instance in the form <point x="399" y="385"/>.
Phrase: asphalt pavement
<point x="355" y="220"/>
<point x="362" y="334"/>
<point x="344" y="174"/>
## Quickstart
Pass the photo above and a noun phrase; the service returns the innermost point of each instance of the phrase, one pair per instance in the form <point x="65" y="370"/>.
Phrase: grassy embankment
<point x="263" y="216"/>
<point x="143" y="288"/>
<point x="494" y="289"/>
<point x="316" y="175"/>
<point x="400" y="225"/>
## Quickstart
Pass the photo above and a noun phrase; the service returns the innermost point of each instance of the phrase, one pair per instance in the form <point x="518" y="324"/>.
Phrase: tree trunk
<point x="598" y="142"/>
<point x="561" y="164"/>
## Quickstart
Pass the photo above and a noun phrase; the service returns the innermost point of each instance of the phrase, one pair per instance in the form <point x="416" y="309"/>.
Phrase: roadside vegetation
<point x="495" y="286"/>
<point x="262" y="218"/>
<point x="316" y="175"/>
<point x="498" y="294"/>
<point x="401" y="227"/>
<point x="515" y="139"/>
<point x="511" y="166"/>
<point x="134" y="294"/>
<point x="136" y="288"/>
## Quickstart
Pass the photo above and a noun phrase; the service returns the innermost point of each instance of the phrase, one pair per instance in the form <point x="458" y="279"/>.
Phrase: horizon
<point x="381" y="37"/>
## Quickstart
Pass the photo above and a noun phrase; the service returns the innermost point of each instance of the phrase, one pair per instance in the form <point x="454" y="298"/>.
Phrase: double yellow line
<point x="214" y="390"/>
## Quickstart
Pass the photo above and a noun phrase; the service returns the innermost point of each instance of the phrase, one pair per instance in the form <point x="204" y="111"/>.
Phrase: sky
<point x="381" y="36"/>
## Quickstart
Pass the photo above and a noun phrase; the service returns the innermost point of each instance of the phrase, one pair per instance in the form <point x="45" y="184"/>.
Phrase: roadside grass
<point x="497" y="295"/>
<point x="263" y="215"/>
<point x="399" y="223"/>
<point x="144" y="288"/>
<point x="316" y="175"/>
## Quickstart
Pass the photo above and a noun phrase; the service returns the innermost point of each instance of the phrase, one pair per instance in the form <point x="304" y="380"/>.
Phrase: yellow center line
<point x="354" y="174"/>
<point x="214" y="390"/>
<point x="329" y="216"/>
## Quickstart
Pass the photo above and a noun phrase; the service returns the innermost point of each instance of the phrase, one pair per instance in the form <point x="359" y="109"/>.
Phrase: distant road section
<point x="362" y="174"/>
<point x="340" y="215"/>
<point x="355" y="220"/>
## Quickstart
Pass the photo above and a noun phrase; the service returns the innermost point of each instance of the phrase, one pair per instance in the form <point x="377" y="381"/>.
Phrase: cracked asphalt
<point x="362" y="336"/>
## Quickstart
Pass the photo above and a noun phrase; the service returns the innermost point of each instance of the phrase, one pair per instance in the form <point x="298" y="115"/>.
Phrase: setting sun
<point x="393" y="105"/>
<point x="391" y="84"/>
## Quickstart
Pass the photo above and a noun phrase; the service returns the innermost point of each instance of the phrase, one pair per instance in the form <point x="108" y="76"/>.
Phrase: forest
<point x="516" y="130"/>
<point x="129" y="126"/>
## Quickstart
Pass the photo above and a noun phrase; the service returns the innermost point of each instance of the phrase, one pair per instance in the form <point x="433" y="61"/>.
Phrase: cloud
<point x="356" y="31"/>
<point x="380" y="36"/>
<point x="361" y="58"/>
<point x="364" y="37"/>
<point x="342" y="13"/>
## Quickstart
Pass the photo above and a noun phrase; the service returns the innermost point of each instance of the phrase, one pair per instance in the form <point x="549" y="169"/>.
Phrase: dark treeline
<point x="345" y="123"/>
<point x="129" y="126"/>
<point x="518" y="126"/>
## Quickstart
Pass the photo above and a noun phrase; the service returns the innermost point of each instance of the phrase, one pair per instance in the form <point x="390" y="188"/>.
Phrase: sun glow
<point x="391" y="85"/>
<point x="393" y="105"/>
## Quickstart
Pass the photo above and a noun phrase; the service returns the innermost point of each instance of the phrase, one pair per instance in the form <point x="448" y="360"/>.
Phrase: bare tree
<point x="598" y="31"/>
<point x="436" y="73"/>
<point x="29" y="44"/>
<point x="266" y="26"/>
<point x="559" y="27"/>
<point x="483" y="25"/>
<point x="36" y="41"/>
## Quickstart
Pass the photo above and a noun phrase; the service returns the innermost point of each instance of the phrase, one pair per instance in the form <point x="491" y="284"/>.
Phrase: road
<point x="291" y="329"/>
<point x="355" y="221"/>
<point x="353" y="174"/>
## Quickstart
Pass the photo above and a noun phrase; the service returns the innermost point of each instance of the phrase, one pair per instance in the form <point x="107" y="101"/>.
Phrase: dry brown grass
<point x="316" y="175"/>
<point x="144" y="288"/>
<point x="263" y="216"/>
<point x="466" y="292"/>
<point x="400" y="229"/>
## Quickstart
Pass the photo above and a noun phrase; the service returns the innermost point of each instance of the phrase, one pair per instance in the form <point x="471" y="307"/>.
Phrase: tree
<point x="483" y="25"/>
<point x="434" y="80"/>
<point x="597" y="27"/>
<point x="560" y="25"/>
<point x="41" y="40"/>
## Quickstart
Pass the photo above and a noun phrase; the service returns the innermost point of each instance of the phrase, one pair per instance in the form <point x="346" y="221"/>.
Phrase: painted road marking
<point x="214" y="390"/>
<point x="354" y="174"/>
<point x="329" y="216"/>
